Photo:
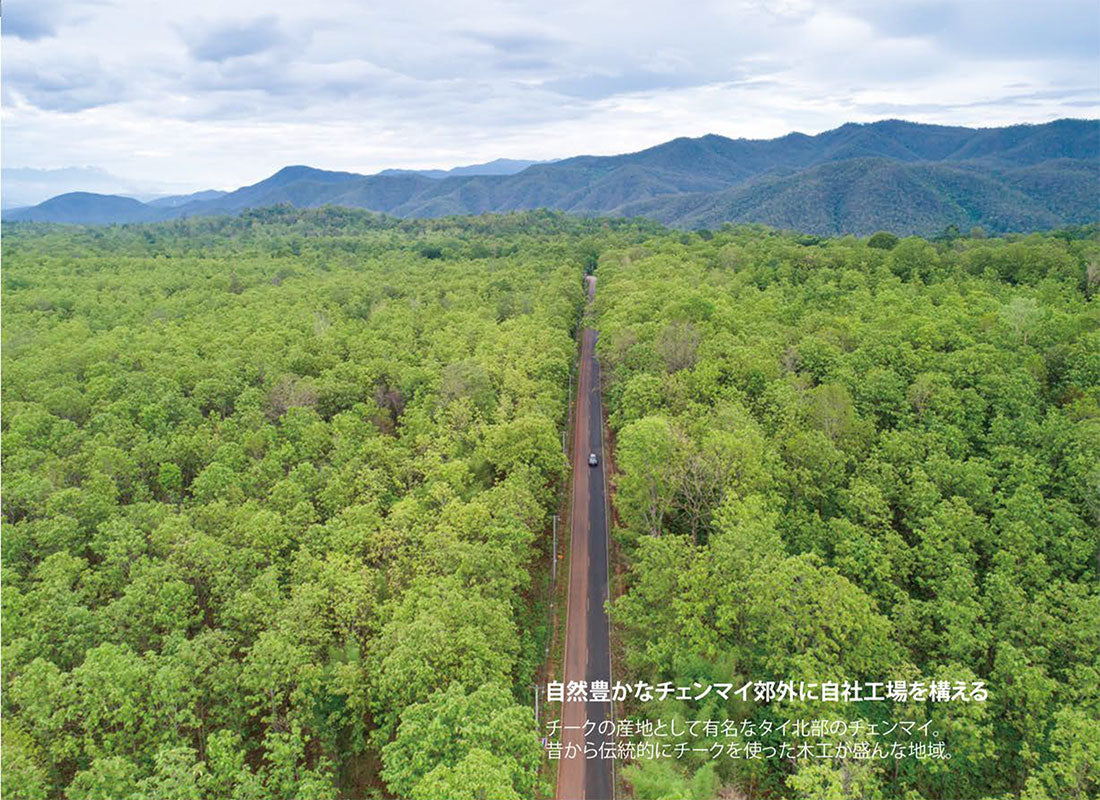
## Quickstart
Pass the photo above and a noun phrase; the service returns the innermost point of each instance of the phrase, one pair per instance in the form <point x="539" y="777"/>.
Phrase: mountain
<point x="864" y="195"/>
<point x="890" y="175"/>
<point x="86" y="208"/>
<point x="26" y="186"/>
<point x="176" y="200"/>
<point x="499" y="166"/>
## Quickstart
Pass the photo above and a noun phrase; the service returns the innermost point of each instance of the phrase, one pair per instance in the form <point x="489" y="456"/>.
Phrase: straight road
<point x="587" y="636"/>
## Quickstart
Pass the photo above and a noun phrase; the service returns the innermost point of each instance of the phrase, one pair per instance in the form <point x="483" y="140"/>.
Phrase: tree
<point x="440" y="633"/>
<point x="108" y="778"/>
<point x="677" y="344"/>
<point x="726" y="461"/>
<point x="177" y="775"/>
<point x="25" y="774"/>
<point x="914" y="258"/>
<point x="646" y="612"/>
<point x="289" y="771"/>
<point x="1021" y="314"/>
<point x="882" y="240"/>
<point x="477" y="776"/>
<point x="660" y="779"/>
<point x="451" y="725"/>
<point x="1075" y="755"/>
<point x="649" y="453"/>
<point x="527" y="441"/>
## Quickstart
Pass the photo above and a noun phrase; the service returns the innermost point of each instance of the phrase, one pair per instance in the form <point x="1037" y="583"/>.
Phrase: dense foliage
<point x="273" y="489"/>
<point x="276" y="490"/>
<point x="850" y="462"/>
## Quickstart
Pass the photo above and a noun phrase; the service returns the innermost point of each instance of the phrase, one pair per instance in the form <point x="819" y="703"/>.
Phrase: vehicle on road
<point x="592" y="460"/>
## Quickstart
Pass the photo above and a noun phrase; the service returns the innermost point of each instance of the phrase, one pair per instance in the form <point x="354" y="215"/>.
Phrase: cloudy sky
<point x="219" y="93"/>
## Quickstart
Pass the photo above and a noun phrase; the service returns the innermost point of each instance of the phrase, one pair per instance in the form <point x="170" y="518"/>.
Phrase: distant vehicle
<point x="592" y="460"/>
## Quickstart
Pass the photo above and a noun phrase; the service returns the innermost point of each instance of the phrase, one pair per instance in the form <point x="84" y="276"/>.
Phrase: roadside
<point x="552" y="668"/>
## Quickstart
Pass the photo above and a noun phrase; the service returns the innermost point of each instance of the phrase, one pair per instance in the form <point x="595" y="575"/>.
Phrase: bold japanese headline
<point x="771" y="691"/>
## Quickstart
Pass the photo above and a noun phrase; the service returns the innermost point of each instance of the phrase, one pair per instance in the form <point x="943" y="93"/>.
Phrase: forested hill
<point x="893" y="175"/>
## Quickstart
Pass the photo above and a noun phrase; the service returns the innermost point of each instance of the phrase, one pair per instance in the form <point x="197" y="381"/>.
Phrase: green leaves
<point x="265" y="488"/>
<point x="441" y="632"/>
<point x="274" y="487"/>
<point x="878" y="460"/>
<point x="446" y="741"/>
<point x="647" y="455"/>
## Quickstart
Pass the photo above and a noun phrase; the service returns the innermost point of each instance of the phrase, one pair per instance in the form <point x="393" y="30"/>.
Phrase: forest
<point x="275" y="489"/>
<point x="278" y="489"/>
<point x="861" y="460"/>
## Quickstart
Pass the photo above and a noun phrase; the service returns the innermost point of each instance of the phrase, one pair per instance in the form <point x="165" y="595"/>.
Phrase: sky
<point x="182" y="96"/>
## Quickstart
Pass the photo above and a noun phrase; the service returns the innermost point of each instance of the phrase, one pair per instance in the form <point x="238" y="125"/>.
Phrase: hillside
<point x="864" y="195"/>
<point x="498" y="166"/>
<point x="86" y="208"/>
<point x="894" y="175"/>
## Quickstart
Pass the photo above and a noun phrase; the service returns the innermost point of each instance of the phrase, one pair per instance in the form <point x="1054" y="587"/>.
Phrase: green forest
<point x="278" y="488"/>
<point x="274" y="491"/>
<point x="862" y="460"/>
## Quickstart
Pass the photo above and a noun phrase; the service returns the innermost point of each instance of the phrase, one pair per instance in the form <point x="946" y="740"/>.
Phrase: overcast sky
<point x="219" y="93"/>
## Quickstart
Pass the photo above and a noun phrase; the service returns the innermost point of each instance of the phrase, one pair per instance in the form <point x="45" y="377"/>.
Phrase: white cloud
<point x="207" y="95"/>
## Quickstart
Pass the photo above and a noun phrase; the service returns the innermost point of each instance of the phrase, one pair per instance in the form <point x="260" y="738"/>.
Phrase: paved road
<point x="587" y="645"/>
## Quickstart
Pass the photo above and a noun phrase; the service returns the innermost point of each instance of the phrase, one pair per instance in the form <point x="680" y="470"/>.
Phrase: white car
<point x="592" y="460"/>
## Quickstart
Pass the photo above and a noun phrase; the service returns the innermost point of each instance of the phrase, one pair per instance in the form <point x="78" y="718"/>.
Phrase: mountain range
<point x="891" y="175"/>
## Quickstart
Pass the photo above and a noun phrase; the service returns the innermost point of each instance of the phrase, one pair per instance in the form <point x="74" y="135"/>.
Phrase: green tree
<point x="451" y="725"/>
<point x="648" y="454"/>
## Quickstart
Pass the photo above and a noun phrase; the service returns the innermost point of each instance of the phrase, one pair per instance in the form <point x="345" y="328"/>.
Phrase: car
<point x="592" y="460"/>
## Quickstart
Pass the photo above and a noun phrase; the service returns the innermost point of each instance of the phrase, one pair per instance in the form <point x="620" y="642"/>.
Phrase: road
<point x="587" y="636"/>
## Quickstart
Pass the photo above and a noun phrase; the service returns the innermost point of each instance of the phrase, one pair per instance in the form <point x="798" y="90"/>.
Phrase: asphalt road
<point x="587" y="639"/>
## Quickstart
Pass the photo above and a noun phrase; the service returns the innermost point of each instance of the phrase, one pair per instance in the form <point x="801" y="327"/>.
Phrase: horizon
<point x="168" y="103"/>
<point x="147" y="196"/>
